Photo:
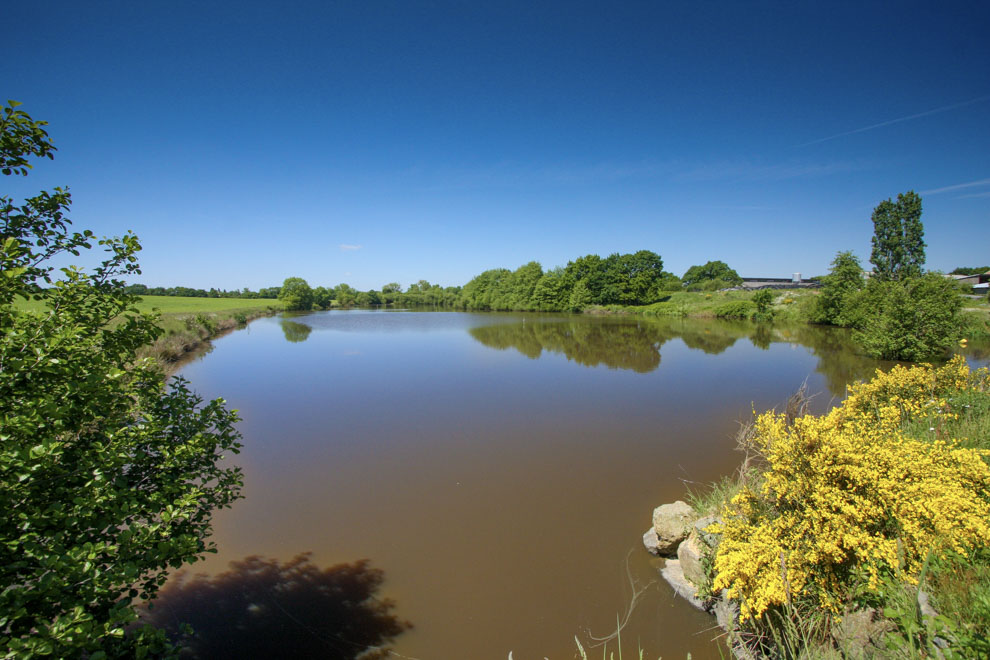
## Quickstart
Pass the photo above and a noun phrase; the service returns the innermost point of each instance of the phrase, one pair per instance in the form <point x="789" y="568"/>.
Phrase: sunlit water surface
<point x="500" y="469"/>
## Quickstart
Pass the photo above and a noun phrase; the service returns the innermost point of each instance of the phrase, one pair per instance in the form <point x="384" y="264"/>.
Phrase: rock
<point x="926" y="607"/>
<point x="689" y="554"/>
<point x="708" y="538"/>
<point x="650" y="540"/>
<point x="726" y="613"/>
<point x="672" y="522"/>
<point x="860" y="633"/>
<point x="674" y="576"/>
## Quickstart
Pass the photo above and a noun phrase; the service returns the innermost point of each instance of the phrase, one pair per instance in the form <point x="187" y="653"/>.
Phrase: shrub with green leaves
<point x="844" y="281"/>
<point x="108" y="476"/>
<point x="911" y="319"/>
<point x="735" y="309"/>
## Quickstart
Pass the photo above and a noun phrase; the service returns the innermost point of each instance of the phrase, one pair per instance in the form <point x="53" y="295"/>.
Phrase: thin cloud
<point x="926" y="113"/>
<point x="346" y="247"/>
<point x="958" y="186"/>
<point x="982" y="194"/>
<point x="749" y="171"/>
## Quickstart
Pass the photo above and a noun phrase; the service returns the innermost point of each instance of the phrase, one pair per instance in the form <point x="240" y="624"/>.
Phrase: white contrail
<point x="958" y="186"/>
<point x="935" y="111"/>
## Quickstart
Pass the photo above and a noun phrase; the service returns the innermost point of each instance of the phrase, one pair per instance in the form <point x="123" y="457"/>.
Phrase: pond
<point x="498" y="469"/>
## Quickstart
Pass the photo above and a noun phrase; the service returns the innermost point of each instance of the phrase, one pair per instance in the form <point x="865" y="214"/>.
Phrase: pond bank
<point x="185" y="335"/>
<point x="857" y="532"/>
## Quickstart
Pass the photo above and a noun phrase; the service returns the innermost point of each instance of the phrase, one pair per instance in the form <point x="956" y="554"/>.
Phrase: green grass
<point x="188" y="323"/>
<point x="180" y="305"/>
<point x="788" y="305"/>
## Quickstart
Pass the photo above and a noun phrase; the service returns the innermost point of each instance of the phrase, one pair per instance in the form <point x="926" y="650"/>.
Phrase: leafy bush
<point x="763" y="299"/>
<point x="709" y="285"/>
<point x="847" y="500"/>
<point x="108" y="476"/>
<point x="834" y="303"/>
<point x="735" y="309"/>
<point x="912" y="319"/>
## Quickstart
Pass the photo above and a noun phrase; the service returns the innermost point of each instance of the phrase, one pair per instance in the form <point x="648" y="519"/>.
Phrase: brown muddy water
<point x="496" y="471"/>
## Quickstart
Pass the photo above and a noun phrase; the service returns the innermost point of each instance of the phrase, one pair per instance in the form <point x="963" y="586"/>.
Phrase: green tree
<point x="345" y="294"/>
<point x="835" y="305"/>
<point x="553" y="292"/>
<point x="296" y="295"/>
<point x="632" y="279"/>
<point x="710" y="271"/>
<point x="898" y="238"/>
<point x="970" y="270"/>
<point x="108" y="476"/>
<point x="589" y="269"/>
<point x="323" y="297"/>
<point x="580" y="296"/>
<point x="913" y="319"/>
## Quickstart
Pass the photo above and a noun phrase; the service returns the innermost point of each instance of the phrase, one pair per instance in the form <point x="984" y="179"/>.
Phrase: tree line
<point x="618" y="279"/>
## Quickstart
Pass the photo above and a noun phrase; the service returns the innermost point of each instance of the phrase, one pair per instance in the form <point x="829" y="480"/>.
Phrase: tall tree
<point x="898" y="238"/>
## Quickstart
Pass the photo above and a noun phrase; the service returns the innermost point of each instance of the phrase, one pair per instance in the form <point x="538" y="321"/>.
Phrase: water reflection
<point x="294" y="331"/>
<point x="617" y="346"/>
<point x="261" y="608"/>
<point x="635" y="344"/>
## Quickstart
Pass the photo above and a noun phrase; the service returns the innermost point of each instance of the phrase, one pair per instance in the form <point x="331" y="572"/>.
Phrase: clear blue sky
<point x="369" y="142"/>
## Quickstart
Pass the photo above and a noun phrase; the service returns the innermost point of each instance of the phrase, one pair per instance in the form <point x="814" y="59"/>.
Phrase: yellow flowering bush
<point x="847" y="495"/>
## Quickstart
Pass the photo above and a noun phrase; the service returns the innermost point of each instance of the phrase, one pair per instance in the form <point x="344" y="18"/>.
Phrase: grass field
<point x="178" y="305"/>
<point x="189" y="322"/>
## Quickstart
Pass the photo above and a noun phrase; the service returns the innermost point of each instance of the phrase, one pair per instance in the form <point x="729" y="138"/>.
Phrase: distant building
<point x="980" y="281"/>
<point x="792" y="282"/>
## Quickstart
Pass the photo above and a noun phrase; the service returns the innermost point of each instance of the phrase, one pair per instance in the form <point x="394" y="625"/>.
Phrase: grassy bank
<point x="862" y="532"/>
<point x="189" y="323"/>
<point x="786" y="305"/>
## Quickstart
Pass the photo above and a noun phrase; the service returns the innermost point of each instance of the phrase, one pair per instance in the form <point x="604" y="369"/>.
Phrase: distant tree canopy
<point x="970" y="270"/>
<point x="898" y="238"/>
<point x="713" y="270"/>
<point x="899" y="313"/>
<point x="296" y="294"/>
<point x="619" y="279"/>
<point x="189" y="292"/>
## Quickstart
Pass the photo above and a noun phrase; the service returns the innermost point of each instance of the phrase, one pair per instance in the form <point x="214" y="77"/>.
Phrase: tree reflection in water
<point x="634" y="343"/>
<point x="294" y="331"/>
<point x="261" y="608"/>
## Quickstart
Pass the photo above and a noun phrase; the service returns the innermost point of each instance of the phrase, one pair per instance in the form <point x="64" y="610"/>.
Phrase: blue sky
<point x="370" y="142"/>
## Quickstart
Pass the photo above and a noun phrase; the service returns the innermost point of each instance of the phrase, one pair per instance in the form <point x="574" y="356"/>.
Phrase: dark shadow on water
<point x="294" y="331"/>
<point x="262" y="608"/>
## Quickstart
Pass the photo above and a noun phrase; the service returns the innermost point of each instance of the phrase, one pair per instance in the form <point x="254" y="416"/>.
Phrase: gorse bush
<point x="848" y="499"/>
